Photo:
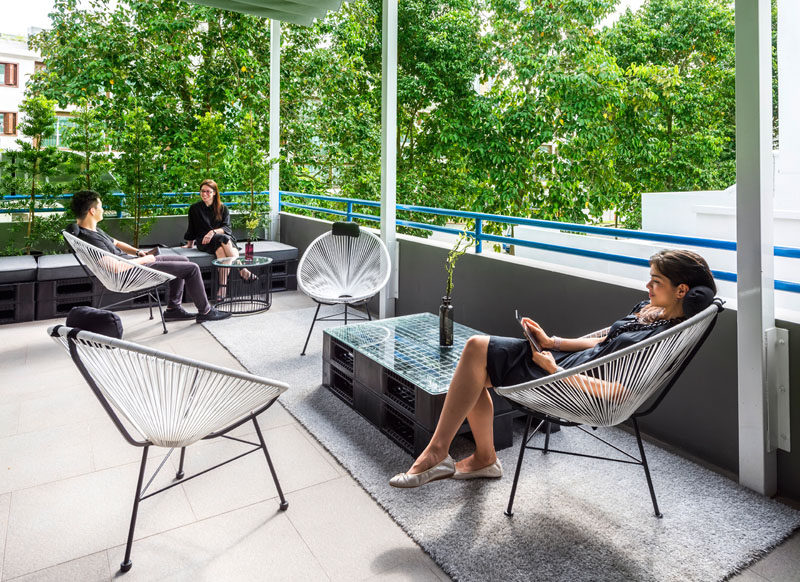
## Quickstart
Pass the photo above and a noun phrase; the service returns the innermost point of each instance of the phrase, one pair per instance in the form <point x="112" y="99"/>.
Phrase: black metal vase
<point x="446" y="323"/>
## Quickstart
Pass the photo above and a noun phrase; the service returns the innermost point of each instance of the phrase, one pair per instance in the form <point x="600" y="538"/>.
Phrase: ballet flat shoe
<point x="493" y="471"/>
<point x="443" y="470"/>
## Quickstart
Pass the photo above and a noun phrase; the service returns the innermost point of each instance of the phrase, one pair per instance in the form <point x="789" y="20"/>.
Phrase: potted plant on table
<point x="462" y="245"/>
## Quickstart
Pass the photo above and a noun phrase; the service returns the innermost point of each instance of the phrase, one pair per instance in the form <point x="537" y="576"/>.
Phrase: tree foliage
<point x="528" y="109"/>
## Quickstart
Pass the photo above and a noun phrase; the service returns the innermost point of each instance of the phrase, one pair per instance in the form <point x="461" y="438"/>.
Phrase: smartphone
<point x="527" y="333"/>
<point x="153" y="251"/>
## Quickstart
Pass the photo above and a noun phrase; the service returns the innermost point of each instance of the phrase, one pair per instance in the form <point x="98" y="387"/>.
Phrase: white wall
<point x="15" y="51"/>
<point x="697" y="214"/>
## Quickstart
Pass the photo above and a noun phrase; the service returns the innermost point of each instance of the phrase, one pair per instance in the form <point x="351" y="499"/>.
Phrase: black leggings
<point x="187" y="273"/>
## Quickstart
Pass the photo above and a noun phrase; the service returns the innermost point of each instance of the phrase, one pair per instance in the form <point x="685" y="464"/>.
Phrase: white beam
<point x="274" y="124"/>
<point x="754" y="255"/>
<point x="787" y="172"/>
<point x="389" y="151"/>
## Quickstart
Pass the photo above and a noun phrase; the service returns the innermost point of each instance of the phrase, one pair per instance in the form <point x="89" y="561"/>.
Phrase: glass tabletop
<point x="409" y="347"/>
<point x="241" y="262"/>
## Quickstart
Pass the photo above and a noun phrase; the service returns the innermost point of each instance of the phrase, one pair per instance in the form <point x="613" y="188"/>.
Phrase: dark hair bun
<point x="697" y="299"/>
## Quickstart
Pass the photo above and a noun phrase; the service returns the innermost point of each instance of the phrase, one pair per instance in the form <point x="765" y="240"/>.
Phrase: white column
<point x="787" y="171"/>
<point x="754" y="256"/>
<point x="274" y="123"/>
<point x="389" y="151"/>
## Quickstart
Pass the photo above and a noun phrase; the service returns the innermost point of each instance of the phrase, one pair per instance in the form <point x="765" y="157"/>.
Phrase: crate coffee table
<point x="393" y="372"/>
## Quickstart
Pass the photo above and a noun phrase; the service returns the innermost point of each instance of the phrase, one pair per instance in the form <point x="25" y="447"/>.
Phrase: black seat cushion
<point x="697" y="299"/>
<point x="345" y="229"/>
<point x="95" y="320"/>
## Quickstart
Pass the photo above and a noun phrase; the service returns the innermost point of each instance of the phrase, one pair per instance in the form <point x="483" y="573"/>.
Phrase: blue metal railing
<point x="480" y="218"/>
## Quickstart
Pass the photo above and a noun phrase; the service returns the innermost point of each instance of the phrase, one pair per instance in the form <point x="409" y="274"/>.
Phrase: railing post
<point x="349" y="212"/>
<point x="478" y="235"/>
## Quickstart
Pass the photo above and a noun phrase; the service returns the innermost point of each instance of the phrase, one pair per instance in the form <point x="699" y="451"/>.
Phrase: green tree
<point x="250" y="165"/>
<point x="676" y="125"/>
<point x="33" y="163"/>
<point x="139" y="170"/>
<point x="538" y="138"/>
<point x="206" y="149"/>
<point x="89" y="145"/>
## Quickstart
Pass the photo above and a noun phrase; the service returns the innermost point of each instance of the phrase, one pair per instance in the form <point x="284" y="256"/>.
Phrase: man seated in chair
<point x="88" y="210"/>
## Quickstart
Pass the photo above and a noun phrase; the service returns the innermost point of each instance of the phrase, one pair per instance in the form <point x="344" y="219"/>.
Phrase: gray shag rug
<point x="574" y="518"/>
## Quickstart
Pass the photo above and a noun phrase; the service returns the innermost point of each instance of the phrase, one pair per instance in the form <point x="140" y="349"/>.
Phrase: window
<point x="63" y="122"/>
<point x="8" y="74"/>
<point x="8" y="123"/>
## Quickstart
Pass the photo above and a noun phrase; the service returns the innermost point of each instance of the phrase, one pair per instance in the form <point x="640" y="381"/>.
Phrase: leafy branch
<point x="463" y="244"/>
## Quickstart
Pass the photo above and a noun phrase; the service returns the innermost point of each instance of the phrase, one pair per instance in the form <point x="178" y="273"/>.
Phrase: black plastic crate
<point x="17" y="302"/>
<point x="342" y="355"/>
<point x="47" y="291"/>
<point x="60" y="307"/>
<point x="342" y="386"/>
<point x="131" y="301"/>
<point x="398" y="428"/>
<point x="400" y="392"/>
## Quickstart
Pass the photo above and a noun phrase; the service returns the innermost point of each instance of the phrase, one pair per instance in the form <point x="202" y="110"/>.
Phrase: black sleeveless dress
<point x="509" y="360"/>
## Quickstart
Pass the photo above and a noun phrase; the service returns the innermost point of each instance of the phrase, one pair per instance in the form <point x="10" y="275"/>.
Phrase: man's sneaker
<point x="212" y="315"/>
<point x="178" y="314"/>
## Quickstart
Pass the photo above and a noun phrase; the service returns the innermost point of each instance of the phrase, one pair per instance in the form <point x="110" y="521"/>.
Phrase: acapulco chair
<point x="632" y="383"/>
<point x="163" y="400"/>
<point x="346" y="266"/>
<point x="119" y="275"/>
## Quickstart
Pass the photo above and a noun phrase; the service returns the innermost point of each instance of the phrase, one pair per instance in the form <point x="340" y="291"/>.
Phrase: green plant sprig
<point x="463" y="243"/>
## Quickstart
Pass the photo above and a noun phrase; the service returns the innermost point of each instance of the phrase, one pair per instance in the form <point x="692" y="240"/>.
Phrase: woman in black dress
<point x="499" y="361"/>
<point x="210" y="230"/>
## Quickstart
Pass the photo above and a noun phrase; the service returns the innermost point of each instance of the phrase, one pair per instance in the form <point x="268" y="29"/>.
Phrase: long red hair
<point x="217" y="202"/>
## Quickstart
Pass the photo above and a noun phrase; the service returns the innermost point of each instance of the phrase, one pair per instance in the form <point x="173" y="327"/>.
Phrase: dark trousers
<point x="187" y="273"/>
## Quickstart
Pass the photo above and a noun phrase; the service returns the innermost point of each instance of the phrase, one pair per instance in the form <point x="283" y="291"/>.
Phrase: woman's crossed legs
<point x="467" y="397"/>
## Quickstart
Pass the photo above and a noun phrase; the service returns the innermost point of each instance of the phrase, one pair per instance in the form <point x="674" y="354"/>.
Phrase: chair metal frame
<point x="160" y="397"/>
<point x="134" y="278"/>
<point x="342" y="262"/>
<point x="540" y="399"/>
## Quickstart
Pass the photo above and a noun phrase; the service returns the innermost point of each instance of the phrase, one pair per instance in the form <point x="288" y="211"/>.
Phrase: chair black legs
<point x="126" y="563"/>
<point x="333" y="317"/>
<point x="308" y="337"/>
<point x="646" y="468"/>
<point x="528" y="423"/>
<point x="283" y="504"/>
<point x="546" y="448"/>
<point x="180" y="473"/>
<point x="160" y="310"/>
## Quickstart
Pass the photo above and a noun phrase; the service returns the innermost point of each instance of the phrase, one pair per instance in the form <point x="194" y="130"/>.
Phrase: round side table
<point x="242" y="286"/>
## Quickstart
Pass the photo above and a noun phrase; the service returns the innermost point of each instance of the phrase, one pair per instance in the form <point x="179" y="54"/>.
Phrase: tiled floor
<point x="67" y="478"/>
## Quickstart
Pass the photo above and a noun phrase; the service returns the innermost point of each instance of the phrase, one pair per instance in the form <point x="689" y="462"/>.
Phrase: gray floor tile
<point x="110" y="449"/>
<point x="61" y="407"/>
<point x="254" y="543"/>
<point x="72" y="518"/>
<point x="748" y="576"/>
<point x="410" y="571"/>
<point x="43" y="456"/>
<point x="9" y="419"/>
<point x="92" y="568"/>
<point x="248" y="480"/>
<point x="357" y="541"/>
<point x="322" y="451"/>
<point x="5" y="506"/>
<point x="783" y="563"/>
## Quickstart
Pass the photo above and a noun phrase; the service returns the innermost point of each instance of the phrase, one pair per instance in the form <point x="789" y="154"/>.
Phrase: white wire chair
<point x="346" y="266"/>
<point x="607" y="391"/>
<point x="119" y="275"/>
<point x="160" y="399"/>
